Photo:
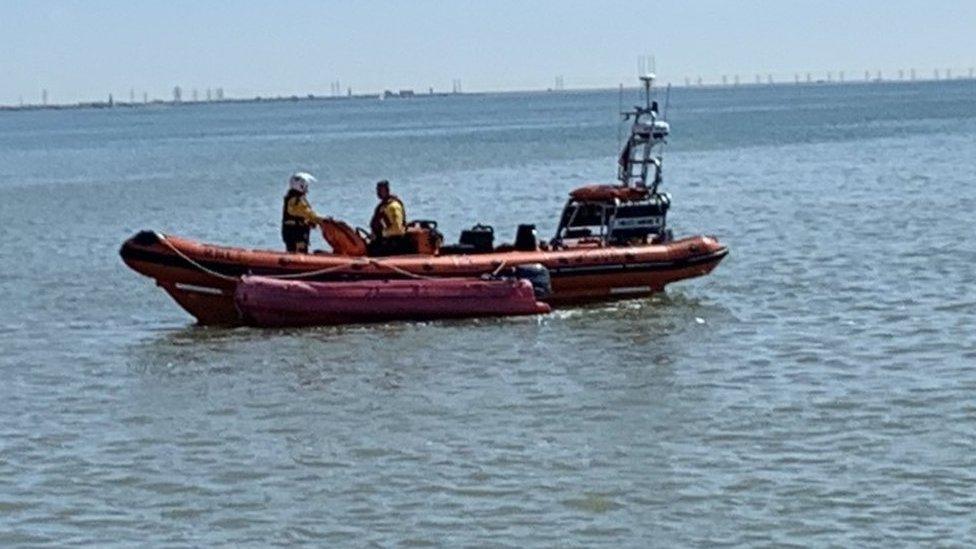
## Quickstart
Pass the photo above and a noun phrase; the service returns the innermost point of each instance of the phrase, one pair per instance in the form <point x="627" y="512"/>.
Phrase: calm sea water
<point x="817" y="388"/>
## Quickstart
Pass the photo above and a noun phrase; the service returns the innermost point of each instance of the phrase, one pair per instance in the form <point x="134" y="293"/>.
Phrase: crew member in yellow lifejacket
<point x="389" y="223"/>
<point x="297" y="216"/>
<point x="389" y="218"/>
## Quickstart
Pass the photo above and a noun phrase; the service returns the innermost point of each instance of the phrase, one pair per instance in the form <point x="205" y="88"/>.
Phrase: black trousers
<point x="296" y="238"/>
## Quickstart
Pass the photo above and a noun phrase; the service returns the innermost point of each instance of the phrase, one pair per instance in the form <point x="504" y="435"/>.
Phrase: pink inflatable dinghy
<point x="270" y="302"/>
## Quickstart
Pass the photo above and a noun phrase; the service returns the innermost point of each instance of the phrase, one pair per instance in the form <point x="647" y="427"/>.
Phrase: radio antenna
<point x="620" y="122"/>
<point x="667" y="100"/>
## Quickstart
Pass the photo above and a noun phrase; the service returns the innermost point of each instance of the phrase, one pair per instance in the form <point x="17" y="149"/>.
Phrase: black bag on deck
<point x="481" y="238"/>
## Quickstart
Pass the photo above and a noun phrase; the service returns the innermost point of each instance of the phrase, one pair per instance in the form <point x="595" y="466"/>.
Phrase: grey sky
<point x="82" y="50"/>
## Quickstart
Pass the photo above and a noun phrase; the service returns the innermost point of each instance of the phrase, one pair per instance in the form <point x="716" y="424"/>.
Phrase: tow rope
<point x="301" y="275"/>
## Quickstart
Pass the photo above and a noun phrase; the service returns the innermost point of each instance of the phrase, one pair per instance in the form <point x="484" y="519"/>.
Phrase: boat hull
<point x="202" y="278"/>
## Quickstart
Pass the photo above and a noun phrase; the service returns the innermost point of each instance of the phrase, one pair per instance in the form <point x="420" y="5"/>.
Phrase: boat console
<point x="613" y="222"/>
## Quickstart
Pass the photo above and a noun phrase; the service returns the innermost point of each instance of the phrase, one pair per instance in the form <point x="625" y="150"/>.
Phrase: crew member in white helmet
<point x="297" y="216"/>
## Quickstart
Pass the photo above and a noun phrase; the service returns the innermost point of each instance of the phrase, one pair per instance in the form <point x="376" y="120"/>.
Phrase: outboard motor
<point x="538" y="275"/>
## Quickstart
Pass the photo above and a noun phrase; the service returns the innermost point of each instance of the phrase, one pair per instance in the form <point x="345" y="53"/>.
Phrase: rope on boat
<point x="193" y="262"/>
<point x="304" y="274"/>
<point x="402" y="271"/>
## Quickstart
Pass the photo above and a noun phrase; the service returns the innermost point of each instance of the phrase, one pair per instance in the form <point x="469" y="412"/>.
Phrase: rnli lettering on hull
<point x="626" y="290"/>
<point x="198" y="289"/>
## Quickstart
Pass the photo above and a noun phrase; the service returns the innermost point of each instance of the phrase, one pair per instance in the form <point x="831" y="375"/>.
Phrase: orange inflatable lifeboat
<point x="611" y="242"/>
<point x="202" y="278"/>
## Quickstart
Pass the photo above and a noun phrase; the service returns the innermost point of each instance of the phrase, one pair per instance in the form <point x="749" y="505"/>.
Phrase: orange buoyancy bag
<point x="343" y="238"/>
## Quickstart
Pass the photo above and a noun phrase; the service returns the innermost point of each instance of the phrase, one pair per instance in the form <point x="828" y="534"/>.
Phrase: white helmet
<point x="299" y="181"/>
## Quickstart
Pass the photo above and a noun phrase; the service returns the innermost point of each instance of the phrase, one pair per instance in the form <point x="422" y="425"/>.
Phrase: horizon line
<point x="408" y="93"/>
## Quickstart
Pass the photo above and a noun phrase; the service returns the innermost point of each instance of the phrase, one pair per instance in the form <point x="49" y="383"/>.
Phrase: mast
<point x="648" y="132"/>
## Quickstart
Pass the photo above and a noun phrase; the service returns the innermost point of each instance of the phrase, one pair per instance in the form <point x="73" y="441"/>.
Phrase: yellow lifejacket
<point x="389" y="218"/>
<point x="296" y="211"/>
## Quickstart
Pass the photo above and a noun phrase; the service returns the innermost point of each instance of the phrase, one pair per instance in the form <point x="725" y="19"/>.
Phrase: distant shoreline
<point x="258" y="99"/>
<point x="401" y="96"/>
